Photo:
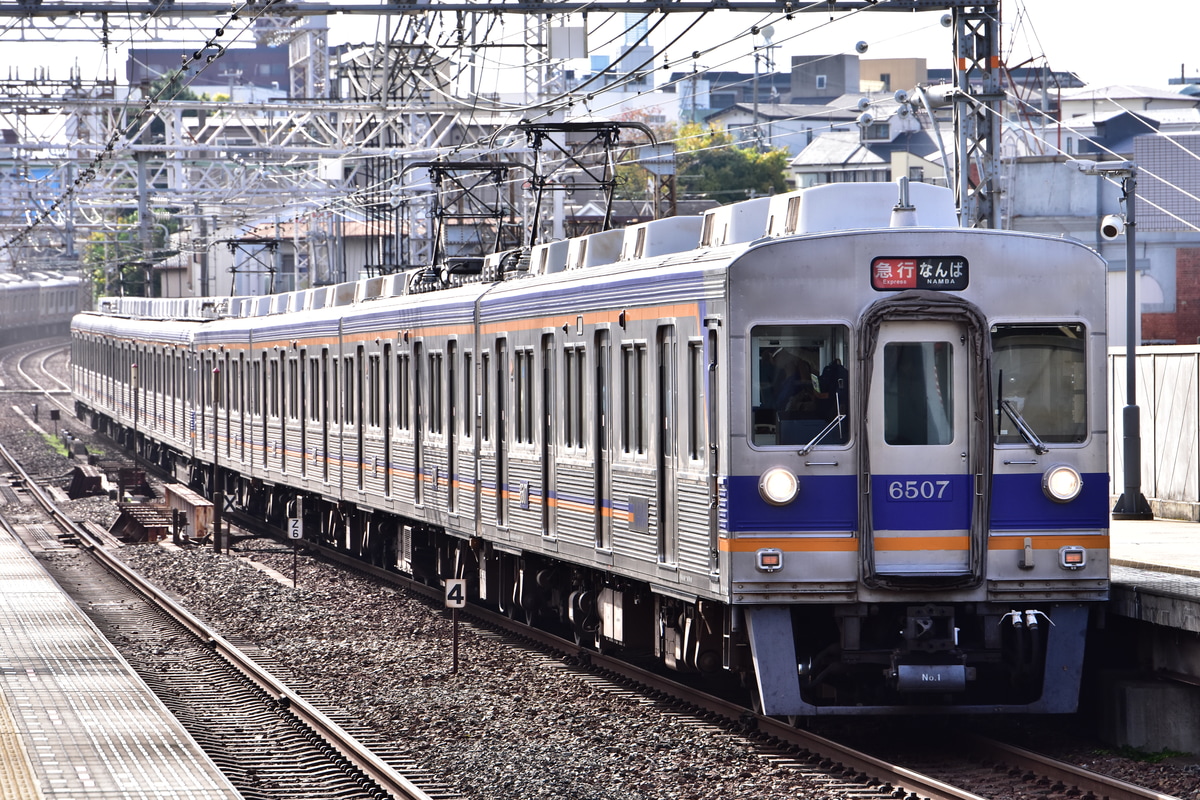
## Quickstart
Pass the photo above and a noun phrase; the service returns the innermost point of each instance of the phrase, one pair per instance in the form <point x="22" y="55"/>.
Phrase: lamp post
<point x="1132" y="503"/>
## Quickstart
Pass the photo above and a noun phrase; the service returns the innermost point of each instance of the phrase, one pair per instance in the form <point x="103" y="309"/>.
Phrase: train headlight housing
<point x="1061" y="483"/>
<point x="778" y="486"/>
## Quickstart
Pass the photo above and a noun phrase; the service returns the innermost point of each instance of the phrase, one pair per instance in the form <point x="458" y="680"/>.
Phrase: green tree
<point x="709" y="163"/>
<point x="116" y="261"/>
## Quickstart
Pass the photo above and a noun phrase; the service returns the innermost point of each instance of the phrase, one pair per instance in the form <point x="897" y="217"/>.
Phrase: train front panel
<point x="915" y="511"/>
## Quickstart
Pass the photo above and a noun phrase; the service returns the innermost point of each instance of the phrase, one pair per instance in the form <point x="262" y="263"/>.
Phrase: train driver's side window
<point x="799" y="383"/>
<point x="1039" y="383"/>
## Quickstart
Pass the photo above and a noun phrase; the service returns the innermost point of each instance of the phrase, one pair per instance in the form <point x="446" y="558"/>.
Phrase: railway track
<point x="271" y="741"/>
<point x="840" y="770"/>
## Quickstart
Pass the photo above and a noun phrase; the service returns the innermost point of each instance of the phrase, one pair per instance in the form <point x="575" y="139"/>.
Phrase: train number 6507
<point x="919" y="490"/>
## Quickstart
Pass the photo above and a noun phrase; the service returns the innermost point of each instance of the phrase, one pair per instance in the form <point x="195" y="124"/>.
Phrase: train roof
<point x="613" y="261"/>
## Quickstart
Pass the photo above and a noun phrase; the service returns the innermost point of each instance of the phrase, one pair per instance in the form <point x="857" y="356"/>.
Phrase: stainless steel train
<point x="37" y="305"/>
<point x="827" y="442"/>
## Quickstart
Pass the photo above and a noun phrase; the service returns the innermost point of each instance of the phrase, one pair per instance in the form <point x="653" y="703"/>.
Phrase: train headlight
<point x="1062" y="484"/>
<point x="778" y="486"/>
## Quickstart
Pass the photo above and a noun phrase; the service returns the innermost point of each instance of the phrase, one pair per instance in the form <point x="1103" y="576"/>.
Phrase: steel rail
<point x="340" y="739"/>
<point x="1086" y="781"/>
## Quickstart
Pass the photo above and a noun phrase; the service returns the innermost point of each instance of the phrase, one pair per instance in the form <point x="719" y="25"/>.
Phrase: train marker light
<point x="769" y="560"/>
<point x="1072" y="557"/>
<point x="1062" y="484"/>
<point x="778" y="486"/>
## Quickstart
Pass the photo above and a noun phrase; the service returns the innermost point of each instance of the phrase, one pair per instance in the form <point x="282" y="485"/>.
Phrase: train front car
<point x="916" y="510"/>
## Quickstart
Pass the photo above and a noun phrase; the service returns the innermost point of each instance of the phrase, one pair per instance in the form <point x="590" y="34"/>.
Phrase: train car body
<point x="37" y="305"/>
<point x="830" y="443"/>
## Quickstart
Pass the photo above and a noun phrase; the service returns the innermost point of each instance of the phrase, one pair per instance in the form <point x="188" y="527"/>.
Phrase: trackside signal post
<point x="456" y="598"/>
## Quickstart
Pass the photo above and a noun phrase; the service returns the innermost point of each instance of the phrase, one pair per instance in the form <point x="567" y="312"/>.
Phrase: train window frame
<point x="634" y="366"/>
<point x="828" y="342"/>
<point x="1037" y="417"/>
<point x="574" y="416"/>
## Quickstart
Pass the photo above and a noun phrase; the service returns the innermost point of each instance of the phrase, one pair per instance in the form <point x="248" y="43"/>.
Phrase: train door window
<point x="799" y="383"/>
<point x="335" y="388"/>
<point x="468" y="399"/>
<point x="349" y="396"/>
<point x="633" y="408"/>
<point x="697" y="388"/>
<point x="293" y="389"/>
<point x="273" y="387"/>
<point x="436" y="409"/>
<point x="402" y="396"/>
<point x="523" y="400"/>
<point x="1039" y="379"/>
<point x="314" y="389"/>
<point x="373" y="391"/>
<point x="574" y="361"/>
<point x="918" y="406"/>
<point x="235" y="388"/>
<point x="485" y="397"/>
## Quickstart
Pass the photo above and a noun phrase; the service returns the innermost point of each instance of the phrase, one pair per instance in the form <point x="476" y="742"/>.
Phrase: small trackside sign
<point x="456" y="593"/>
<point x="897" y="273"/>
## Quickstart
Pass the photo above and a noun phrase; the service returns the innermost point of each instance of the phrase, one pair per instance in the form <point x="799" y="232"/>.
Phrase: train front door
<point x="920" y="410"/>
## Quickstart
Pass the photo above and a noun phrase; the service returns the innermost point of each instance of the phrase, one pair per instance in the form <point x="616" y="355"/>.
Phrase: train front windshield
<point x="799" y="383"/>
<point x="1039" y="381"/>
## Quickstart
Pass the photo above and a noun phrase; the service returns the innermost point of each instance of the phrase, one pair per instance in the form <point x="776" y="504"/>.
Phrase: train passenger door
<point x="603" y="454"/>
<point x="919" y="437"/>
<point x="549" y="436"/>
<point x="665" y="412"/>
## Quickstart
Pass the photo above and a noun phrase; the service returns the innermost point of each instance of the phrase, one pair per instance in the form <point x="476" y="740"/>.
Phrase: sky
<point x="1124" y="44"/>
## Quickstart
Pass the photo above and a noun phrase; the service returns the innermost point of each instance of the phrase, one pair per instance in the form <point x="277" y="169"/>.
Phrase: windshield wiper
<point x="1027" y="432"/>
<point x="835" y="422"/>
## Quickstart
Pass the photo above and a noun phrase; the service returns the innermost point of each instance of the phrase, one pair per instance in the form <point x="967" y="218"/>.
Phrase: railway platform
<point x="1155" y="587"/>
<point x="75" y="721"/>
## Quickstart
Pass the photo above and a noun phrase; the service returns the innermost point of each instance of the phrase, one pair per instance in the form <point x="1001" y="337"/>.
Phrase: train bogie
<point x="862" y="466"/>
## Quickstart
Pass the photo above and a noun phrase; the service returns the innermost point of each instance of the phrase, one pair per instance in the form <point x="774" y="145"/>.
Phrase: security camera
<point x="861" y="47"/>
<point x="1112" y="226"/>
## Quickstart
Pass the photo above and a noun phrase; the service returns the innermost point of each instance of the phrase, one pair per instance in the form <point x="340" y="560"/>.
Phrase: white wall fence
<point x="1168" y="397"/>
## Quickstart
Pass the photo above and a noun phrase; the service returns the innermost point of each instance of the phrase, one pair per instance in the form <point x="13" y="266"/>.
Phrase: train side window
<point x="523" y="400"/>
<point x="293" y="389"/>
<point x="633" y="409"/>
<point x="799" y="383"/>
<point x="435" y="392"/>
<point x="1039" y="373"/>
<point x="574" y="359"/>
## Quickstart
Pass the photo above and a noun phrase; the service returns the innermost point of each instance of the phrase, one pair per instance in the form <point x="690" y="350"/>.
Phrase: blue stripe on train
<point x="825" y="503"/>
<point x="830" y="503"/>
<point x="1018" y="503"/>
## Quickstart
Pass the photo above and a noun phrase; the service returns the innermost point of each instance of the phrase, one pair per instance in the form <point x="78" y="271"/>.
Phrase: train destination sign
<point x="897" y="273"/>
